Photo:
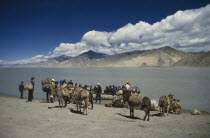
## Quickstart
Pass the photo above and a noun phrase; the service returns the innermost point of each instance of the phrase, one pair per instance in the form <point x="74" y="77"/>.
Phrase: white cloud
<point x="69" y="49"/>
<point x="35" y="59"/>
<point x="96" y="38"/>
<point x="185" y="30"/>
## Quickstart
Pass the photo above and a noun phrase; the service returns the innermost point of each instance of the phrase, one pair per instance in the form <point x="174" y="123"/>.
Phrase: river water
<point x="190" y="85"/>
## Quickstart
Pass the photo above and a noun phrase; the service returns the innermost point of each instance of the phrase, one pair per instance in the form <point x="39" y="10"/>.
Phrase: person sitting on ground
<point x="21" y="89"/>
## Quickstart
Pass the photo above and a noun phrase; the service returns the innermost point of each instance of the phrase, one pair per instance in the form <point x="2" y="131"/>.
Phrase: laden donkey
<point x="81" y="96"/>
<point x="165" y="103"/>
<point x="137" y="100"/>
<point x="90" y="90"/>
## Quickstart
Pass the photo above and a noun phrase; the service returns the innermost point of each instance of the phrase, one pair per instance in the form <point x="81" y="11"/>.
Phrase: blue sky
<point x="34" y="30"/>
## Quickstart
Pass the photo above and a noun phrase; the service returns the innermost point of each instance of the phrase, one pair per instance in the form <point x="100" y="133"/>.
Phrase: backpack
<point x="64" y="90"/>
<point x="47" y="85"/>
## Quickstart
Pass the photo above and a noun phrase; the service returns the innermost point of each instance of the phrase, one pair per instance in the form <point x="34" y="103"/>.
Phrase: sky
<point x="35" y="30"/>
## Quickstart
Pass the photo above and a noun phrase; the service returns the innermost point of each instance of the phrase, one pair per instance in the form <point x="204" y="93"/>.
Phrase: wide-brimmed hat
<point x="53" y="80"/>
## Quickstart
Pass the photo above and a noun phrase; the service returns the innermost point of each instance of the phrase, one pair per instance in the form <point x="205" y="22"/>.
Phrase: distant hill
<point x="162" y="57"/>
<point x="197" y="60"/>
<point x="61" y="58"/>
<point x="92" y="55"/>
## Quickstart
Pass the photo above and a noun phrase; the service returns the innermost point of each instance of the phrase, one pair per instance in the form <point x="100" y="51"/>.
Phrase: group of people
<point x="112" y="89"/>
<point x="51" y="94"/>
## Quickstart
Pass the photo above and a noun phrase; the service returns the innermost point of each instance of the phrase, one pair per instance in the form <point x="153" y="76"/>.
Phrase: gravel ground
<point x="20" y="119"/>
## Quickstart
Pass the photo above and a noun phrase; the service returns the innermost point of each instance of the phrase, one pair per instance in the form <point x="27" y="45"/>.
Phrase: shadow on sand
<point x="74" y="111"/>
<point x="128" y="116"/>
<point x="158" y="114"/>
<point x="56" y="107"/>
<point x="44" y="101"/>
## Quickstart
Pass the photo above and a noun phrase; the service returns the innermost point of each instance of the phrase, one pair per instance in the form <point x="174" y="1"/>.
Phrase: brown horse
<point x="137" y="100"/>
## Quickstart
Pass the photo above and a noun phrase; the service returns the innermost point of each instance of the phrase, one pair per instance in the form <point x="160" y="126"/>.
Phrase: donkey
<point x="81" y="96"/>
<point x="90" y="90"/>
<point x="137" y="100"/>
<point x="165" y="103"/>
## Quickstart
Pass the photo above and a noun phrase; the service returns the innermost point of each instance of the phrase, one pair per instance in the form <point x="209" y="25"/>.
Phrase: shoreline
<point x="63" y="67"/>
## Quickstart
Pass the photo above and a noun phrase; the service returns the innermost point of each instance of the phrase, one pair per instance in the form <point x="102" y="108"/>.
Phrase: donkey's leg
<point x="80" y="102"/>
<point x="77" y="102"/>
<point x="133" y="111"/>
<point x="148" y="112"/>
<point x="145" y="110"/>
<point x="167" y="109"/>
<point x="163" y="111"/>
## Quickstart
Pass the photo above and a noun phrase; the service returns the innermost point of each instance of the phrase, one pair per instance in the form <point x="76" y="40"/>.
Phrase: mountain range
<point x="161" y="57"/>
<point x="165" y="56"/>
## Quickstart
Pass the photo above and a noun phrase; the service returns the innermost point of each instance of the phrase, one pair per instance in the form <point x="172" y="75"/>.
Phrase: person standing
<point x="21" y="89"/>
<point x="98" y="91"/>
<point x="30" y="92"/>
<point x="114" y="90"/>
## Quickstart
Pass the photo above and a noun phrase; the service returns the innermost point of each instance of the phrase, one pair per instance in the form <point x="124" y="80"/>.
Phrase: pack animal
<point x="165" y="103"/>
<point x="137" y="100"/>
<point x="81" y="96"/>
<point x="90" y="96"/>
<point x="59" y="95"/>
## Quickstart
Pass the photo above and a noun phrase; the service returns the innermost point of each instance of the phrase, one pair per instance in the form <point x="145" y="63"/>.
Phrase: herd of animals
<point x="83" y="97"/>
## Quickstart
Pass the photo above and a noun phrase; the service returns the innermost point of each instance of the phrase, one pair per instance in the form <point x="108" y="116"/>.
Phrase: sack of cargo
<point x="65" y="92"/>
<point x="47" y="87"/>
<point x="63" y="86"/>
<point x="136" y="98"/>
<point x="47" y="81"/>
<point x="29" y="86"/>
<point x="69" y="86"/>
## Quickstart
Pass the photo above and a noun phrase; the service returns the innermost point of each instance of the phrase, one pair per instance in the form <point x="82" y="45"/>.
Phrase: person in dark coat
<point x="21" y="89"/>
<point x="114" y="90"/>
<point x="98" y="91"/>
<point x="31" y="92"/>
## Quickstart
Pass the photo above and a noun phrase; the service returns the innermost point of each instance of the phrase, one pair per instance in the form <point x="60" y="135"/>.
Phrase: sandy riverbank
<point x="20" y="119"/>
